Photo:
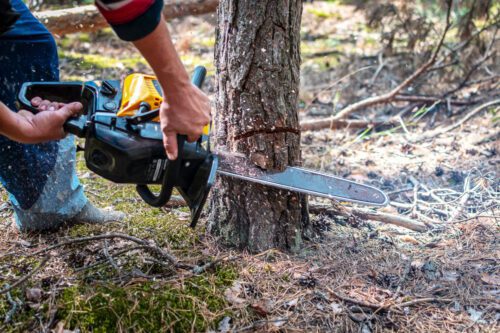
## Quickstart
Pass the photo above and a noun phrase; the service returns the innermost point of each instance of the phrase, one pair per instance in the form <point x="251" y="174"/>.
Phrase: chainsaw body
<point x="123" y="137"/>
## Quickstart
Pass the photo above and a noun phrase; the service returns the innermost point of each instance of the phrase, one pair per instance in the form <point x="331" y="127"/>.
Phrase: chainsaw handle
<point x="170" y="179"/>
<point x="171" y="175"/>
<point x="24" y="103"/>
<point x="60" y="92"/>
<point x="199" y="74"/>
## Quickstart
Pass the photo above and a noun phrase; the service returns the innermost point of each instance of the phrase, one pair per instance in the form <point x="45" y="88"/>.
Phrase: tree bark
<point x="88" y="18"/>
<point x="258" y="70"/>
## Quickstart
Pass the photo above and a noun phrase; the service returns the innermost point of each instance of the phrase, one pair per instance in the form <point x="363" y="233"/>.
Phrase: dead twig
<point x="110" y="258"/>
<point x="354" y="301"/>
<point x="463" y="200"/>
<point x="422" y="300"/>
<point x="103" y="261"/>
<point x="155" y="249"/>
<point x="344" y="123"/>
<point x="400" y="221"/>
<point x="385" y="98"/>
<point x="351" y="212"/>
<point x="388" y="306"/>
<point x="471" y="114"/>
<point x="433" y="99"/>
<point x="203" y="268"/>
<point x="487" y="55"/>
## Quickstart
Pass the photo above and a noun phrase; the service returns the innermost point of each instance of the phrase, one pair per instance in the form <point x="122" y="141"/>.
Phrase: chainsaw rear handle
<point x="172" y="172"/>
<point x="62" y="93"/>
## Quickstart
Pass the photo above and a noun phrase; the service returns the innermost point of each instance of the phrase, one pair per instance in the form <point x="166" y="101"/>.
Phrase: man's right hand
<point x="186" y="112"/>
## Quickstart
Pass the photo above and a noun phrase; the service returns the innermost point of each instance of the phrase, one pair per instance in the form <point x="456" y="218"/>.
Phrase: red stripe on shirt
<point x="126" y="13"/>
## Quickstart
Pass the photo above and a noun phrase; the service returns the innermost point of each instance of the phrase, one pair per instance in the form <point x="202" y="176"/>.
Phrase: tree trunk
<point x="258" y="71"/>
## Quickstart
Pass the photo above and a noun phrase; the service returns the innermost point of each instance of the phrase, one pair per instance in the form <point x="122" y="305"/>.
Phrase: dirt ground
<point x="351" y="276"/>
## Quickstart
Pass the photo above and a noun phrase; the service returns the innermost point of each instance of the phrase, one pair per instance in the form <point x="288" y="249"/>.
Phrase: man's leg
<point x="40" y="179"/>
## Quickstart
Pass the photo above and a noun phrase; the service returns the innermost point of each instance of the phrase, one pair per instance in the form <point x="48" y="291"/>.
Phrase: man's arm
<point x="26" y="127"/>
<point x="185" y="110"/>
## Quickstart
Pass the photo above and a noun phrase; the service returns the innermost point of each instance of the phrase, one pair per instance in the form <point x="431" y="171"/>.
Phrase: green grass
<point x="96" y="61"/>
<point x="91" y="302"/>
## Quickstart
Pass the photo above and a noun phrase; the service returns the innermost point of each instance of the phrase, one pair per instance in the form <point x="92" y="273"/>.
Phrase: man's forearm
<point x="167" y="67"/>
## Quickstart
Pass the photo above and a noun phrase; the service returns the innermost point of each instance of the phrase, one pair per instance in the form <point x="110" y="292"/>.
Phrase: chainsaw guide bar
<point x="302" y="180"/>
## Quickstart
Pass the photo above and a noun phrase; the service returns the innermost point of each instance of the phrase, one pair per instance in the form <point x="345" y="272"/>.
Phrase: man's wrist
<point x="172" y="80"/>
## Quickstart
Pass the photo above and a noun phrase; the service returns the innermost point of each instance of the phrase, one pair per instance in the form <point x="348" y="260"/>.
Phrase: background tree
<point x="258" y="70"/>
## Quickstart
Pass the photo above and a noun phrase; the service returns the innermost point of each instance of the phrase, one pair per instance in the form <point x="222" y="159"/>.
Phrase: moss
<point x="97" y="61"/>
<point x="196" y="303"/>
<point x="324" y="14"/>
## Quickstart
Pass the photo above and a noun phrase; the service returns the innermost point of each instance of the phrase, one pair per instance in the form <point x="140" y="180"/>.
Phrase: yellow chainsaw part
<point x="138" y="88"/>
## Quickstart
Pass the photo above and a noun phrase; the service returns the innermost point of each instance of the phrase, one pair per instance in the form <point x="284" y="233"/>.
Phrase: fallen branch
<point x="105" y="260"/>
<point x="110" y="258"/>
<point x="398" y="220"/>
<point x="354" y="301"/>
<point x="388" y="97"/>
<point x="388" y="306"/>
<point x="159" y="251"/>
<point x="313" y="125"/>
<point x="471" y="114"/>
<point x="88" y="18"/>
<point x="432" y="99"/>
<point x="26" y="277"/>
<point x="422" y="300"/>
<point x="350" y="212"/>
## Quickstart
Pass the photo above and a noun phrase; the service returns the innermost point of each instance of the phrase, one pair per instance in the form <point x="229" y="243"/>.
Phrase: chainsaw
<point x="123" y="143"/>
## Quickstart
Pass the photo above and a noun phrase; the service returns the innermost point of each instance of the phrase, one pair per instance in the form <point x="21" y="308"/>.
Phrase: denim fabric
<point x="41" y="179"/>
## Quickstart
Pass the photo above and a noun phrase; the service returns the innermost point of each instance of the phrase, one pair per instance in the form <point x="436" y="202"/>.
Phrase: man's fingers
<point x="53" y="106"/>
<point x="71" y="109"/>
<point x="170" y="144"/>
<point x="35" y="101"/>
<point x="44" y="105"/>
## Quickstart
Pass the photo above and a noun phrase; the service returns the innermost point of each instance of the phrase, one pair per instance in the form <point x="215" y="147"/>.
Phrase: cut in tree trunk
<point x="88" y="18"/>
<point x="258" y="62"/>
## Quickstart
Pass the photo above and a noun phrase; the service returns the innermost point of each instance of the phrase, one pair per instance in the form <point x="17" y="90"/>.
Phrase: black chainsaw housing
<point x="131" y="152"/>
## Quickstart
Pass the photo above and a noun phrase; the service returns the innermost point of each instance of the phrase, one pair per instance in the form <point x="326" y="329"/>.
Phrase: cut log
<point x="88" y="19"/>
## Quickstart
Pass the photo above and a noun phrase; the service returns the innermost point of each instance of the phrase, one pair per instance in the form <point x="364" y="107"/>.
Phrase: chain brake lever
<point x="143" y="117"/>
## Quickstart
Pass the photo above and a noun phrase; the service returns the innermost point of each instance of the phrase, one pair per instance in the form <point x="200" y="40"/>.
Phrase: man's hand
<point x="186" y="112"/>
<point x="47" y="125"/>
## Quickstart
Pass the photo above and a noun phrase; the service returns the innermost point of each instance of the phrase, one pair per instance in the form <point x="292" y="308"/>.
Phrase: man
<point x="40" y="179"/>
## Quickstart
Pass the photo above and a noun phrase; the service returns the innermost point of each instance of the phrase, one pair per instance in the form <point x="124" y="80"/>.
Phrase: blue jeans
<point x="41" y="179"/>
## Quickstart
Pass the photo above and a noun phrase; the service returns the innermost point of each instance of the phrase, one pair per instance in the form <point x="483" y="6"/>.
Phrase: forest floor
<point x="352" y="276"/>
